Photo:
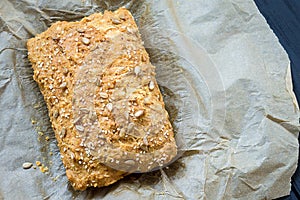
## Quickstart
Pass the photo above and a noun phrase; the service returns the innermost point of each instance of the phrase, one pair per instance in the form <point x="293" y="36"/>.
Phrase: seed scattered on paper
<point x="27" y="165"/>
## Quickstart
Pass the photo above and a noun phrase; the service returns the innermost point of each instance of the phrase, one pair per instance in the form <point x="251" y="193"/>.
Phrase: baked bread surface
<point x="104" y="103"/>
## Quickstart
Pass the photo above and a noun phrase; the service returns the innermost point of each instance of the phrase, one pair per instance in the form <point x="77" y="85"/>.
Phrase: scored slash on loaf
<point x="104" y="103"/>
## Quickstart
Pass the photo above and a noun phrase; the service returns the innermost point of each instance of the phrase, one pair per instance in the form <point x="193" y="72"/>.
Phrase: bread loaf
<point x="104" y="103"/>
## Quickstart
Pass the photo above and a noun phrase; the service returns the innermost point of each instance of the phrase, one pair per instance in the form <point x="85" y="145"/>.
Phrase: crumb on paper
<point x="27" y="165"/>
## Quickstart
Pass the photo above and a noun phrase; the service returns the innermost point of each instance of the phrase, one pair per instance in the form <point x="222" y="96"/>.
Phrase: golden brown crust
<point x="72" y="60"/>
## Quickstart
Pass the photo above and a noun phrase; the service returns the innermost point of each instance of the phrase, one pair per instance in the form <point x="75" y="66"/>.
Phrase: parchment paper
<point x="226" y="83"/>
